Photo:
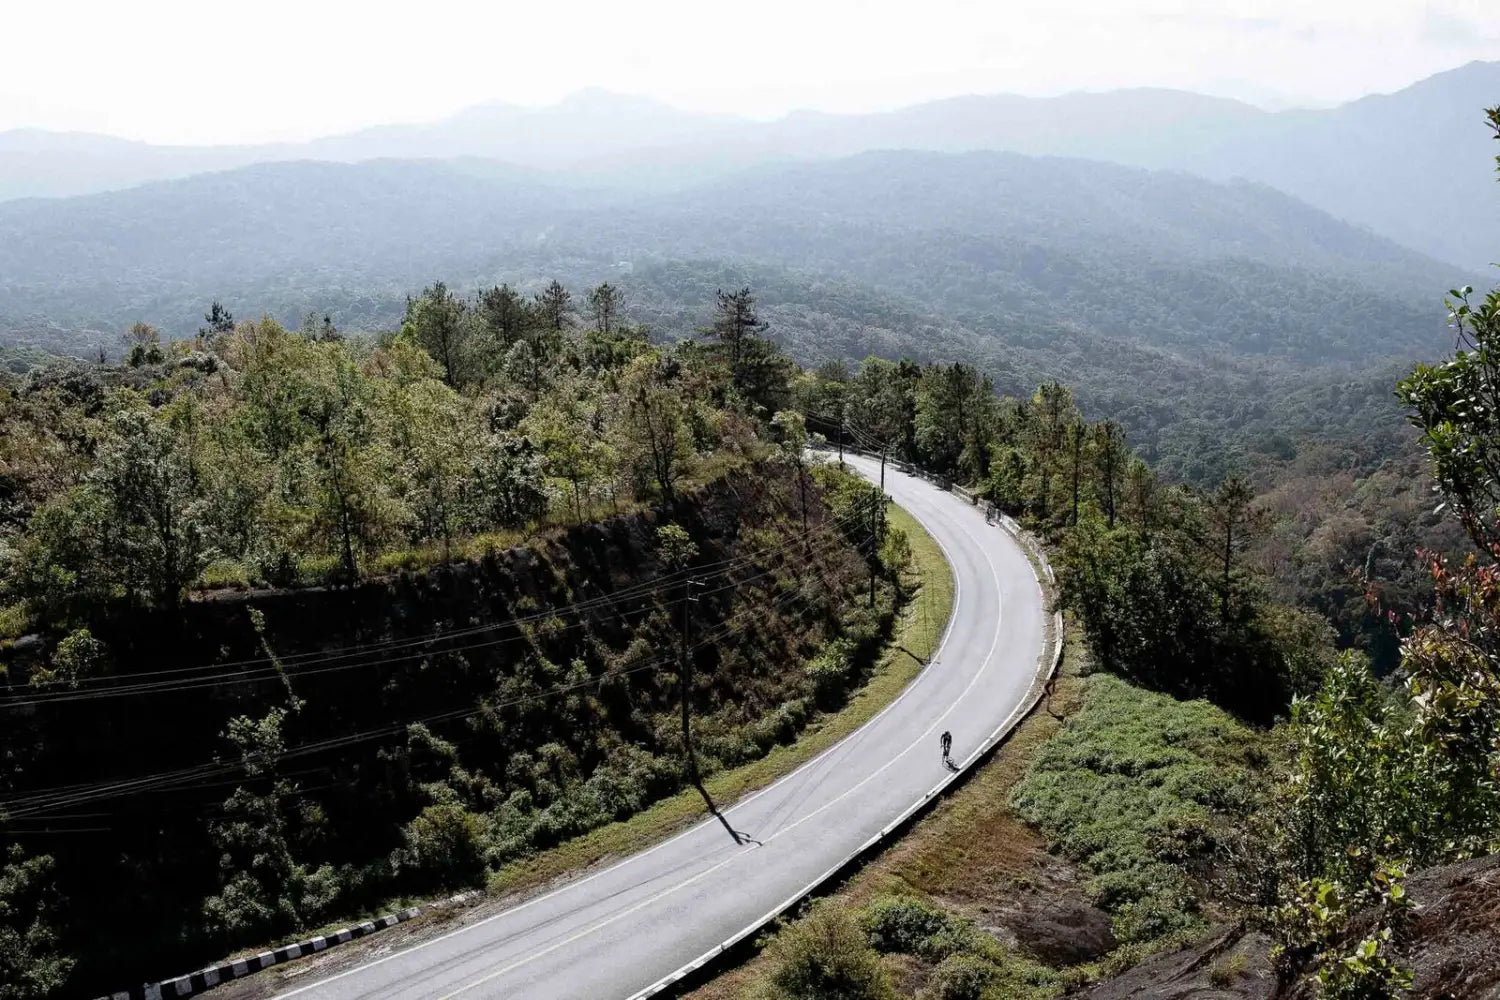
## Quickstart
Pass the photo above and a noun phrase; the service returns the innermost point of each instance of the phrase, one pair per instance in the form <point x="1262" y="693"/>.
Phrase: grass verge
<point x="966" y="856"/>
<point x="917" y="634"/>
<point x="1079" y="848"/>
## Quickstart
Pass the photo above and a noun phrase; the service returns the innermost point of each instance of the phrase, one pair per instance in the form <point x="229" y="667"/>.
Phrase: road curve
<point x="623" y="931"/>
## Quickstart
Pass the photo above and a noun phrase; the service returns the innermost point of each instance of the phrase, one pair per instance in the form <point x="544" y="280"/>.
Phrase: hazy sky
<point x="204" y="71"/>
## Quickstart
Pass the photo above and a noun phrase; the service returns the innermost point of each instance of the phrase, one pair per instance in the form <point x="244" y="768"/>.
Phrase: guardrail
<point x="1047" y="667"/>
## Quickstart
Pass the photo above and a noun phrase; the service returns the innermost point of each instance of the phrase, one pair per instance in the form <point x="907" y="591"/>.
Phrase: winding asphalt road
<point x="624" y="931"/>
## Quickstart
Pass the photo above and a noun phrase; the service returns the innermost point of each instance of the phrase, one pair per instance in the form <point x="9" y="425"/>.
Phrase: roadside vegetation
<point x="497" y="466"/>
<point x="1294" y="810"/>
<point x="1092" y="838"/>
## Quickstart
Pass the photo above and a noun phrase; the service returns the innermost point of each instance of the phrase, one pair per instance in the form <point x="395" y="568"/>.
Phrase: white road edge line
<point x="995" y="737"/>
<point x="634" y="858"/>
<point x="885" y="831"/>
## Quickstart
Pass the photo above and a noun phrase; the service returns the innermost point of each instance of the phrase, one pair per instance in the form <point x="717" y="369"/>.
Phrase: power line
<point x="35" y="803"/>
<point x="312" y="664"/>
<point x="364" y="648"/>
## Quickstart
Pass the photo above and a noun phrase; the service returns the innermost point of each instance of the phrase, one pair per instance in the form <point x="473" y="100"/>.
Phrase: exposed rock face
<point x="1452" y="947"/>
<point x="1231" y="965"/>
<point x="1064" y="931"/>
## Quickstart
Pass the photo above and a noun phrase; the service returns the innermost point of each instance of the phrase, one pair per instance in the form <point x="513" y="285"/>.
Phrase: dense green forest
<point x="1210" y="318"/>
<point x="409" y="609"/>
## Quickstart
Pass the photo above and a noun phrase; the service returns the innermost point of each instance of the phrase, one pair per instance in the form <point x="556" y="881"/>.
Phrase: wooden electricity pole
<point x="686" y="668"/>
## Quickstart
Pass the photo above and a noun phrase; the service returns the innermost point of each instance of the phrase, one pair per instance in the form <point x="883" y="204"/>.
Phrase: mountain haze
<point x="1409" y="165"/>
<point x="1179" y="304"/>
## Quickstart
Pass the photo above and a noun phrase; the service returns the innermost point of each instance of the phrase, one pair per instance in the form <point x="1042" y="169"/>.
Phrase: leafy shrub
<point x="824" y="956"/>
<point x="321" y="570"/>
<point x="1227" y="969"/>
<point x="32" y="963"/>
<point x="277" y="567"/>
<point x="780" y="725"/>
<point x="15" y="620"/>
<point x="904" y="924"/>
<point x="829" y="670"/>
<point x="77" y="656"/>
<point x="445" y="844"/>
<point x="963" y="977"/>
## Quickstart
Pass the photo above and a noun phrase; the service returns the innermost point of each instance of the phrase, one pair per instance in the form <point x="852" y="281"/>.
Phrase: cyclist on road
<point x="947" y="741"/>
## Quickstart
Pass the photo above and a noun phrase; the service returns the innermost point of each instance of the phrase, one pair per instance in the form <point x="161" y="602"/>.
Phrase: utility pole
<point x="688" y="600"/>
<point x="879" y="502"/>
<point x="686" y="672"/>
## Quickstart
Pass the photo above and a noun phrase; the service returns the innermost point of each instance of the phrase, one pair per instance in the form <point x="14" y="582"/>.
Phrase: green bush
<point x="445" y="844"/>
<point x="33" y="963"/>
<point x="320" y="570"/>
<point x="224" y="574"/>
<point x="904" y="924"/>
<point x="824" y="956"/>
<point x="15" y="620"/>
<point x="829" y="671"/>
<point x="963" y="977"/>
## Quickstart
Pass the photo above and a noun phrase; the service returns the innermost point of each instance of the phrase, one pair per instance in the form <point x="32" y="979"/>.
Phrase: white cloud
<point x="173" y="70"/>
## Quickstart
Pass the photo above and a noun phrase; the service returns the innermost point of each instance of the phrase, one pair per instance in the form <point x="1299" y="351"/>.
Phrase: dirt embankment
<point x="1452" y="946"/>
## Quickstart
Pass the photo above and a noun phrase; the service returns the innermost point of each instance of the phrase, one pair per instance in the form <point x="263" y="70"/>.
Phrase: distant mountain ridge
<point x="1177" y="304"/>
<point x="1000" y="233"/>
<point x="1412" y="165"/>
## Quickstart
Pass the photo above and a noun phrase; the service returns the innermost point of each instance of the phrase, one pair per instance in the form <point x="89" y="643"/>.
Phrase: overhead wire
<point x="64" y="797"/>
<point x="362" y="648"/>
<point x="216" y="675"/>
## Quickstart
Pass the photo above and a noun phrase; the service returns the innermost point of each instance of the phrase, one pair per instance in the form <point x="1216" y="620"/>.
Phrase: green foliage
<point x="77" y="657"/>
<point x="1455" y="403"/>
<point x="825" y="956"/>
<point x="1161" y="610"/>
<point x="445" y="846"/>
<point x="966" y="963"/>
<point x="830" y="671"/>
<point x="283" y="458"/>
<point x="33" y="965"/>
<point x="675" y="547"/>
<point x="1312" y="928"/>
<point x="264" y="891"/>
<point x="1138" y="789"/>
<point x="963" y="977"/>
<point x="914" y="926"/>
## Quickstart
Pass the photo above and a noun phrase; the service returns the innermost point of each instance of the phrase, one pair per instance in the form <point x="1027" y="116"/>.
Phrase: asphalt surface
<point x="616" y="933"/>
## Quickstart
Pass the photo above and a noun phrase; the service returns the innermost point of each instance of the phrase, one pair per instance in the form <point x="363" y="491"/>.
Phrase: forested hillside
<point x="1185" y="308"/>
<point x="1339" y="852"/>
<point x="396" y="614"/>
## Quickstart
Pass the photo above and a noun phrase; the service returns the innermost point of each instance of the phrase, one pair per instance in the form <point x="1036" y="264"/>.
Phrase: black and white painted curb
<point x="197" y="982"/>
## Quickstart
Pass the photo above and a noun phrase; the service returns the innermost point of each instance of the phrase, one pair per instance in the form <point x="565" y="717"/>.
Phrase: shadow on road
<point x="739" y="838"/>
